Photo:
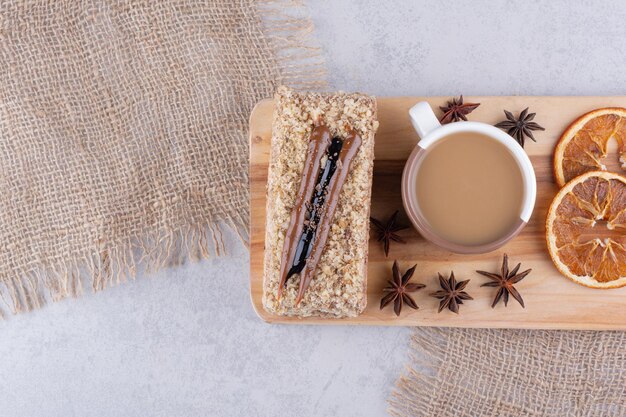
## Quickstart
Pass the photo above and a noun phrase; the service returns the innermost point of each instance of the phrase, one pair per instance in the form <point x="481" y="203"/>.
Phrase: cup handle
<point x="423" y="119"/>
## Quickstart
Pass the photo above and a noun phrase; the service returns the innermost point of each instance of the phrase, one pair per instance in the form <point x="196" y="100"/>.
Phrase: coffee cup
<point x="467" y="187"/>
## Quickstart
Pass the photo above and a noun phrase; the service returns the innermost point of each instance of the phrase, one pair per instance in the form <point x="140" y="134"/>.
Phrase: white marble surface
<point x="186" y="342"/>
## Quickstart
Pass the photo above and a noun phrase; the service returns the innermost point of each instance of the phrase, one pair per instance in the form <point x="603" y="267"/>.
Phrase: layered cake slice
<point x="318" y="203"/>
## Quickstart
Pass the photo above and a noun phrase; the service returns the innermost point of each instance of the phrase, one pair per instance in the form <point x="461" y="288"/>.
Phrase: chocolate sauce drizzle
<point x="318" y="145"/>
<point x="315" y="209"/>
<point x="311" y="221"/>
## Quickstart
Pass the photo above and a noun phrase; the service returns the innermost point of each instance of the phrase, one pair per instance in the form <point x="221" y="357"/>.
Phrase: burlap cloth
<point x="502" y="373"/>
<point x="123" y="132"/>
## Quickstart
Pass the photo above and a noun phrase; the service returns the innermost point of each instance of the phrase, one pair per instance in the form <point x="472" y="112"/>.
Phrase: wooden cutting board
<point x="552" y="301"/>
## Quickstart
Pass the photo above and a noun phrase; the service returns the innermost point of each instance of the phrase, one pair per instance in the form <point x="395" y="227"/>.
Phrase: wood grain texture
<point x="552" y="301"/>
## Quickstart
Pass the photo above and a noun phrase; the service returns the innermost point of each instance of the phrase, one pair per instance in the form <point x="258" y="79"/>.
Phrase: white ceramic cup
<point x="430" y="132"/>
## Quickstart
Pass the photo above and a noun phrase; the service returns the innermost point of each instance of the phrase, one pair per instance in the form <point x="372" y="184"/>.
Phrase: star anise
<point x="398" y="289"/>
<point x="451" y="294"/>
<point x="520" y="128"/>
<point x="387" y="232"/>
<point x="504" y="282"/>
<point x="456" y="110"/>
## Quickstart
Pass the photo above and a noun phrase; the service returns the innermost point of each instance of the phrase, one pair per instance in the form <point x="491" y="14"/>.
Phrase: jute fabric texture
<point x="123" y="132"/>
<point x="502" y="373"/>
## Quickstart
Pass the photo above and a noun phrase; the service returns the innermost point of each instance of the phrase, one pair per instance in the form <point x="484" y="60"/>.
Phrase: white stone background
<point x="186" y="342"/>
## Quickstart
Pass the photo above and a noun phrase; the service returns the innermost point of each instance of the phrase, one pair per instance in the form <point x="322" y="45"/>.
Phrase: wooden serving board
<point x="552" y="301"/>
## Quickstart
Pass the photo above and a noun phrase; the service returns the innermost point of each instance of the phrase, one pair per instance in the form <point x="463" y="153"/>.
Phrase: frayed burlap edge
<point x="297" y="63"/>
<point x="116" y="263"/>
<point x="297" y="58"/>
<point x="494" y="372"/>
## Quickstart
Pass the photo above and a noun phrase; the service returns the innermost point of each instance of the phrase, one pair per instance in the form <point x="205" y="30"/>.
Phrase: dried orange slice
<point x="583" y="145"/>
<point x="586" y="230"/>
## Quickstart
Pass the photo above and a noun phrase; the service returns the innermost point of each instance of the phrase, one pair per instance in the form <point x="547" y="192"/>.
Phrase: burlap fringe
<point x="116" y="263"/>
<point x="411" y="381"/>
<point x="299" y="60"/>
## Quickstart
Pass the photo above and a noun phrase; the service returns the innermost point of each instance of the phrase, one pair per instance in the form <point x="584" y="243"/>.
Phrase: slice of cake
<point x="318" y="204"/>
